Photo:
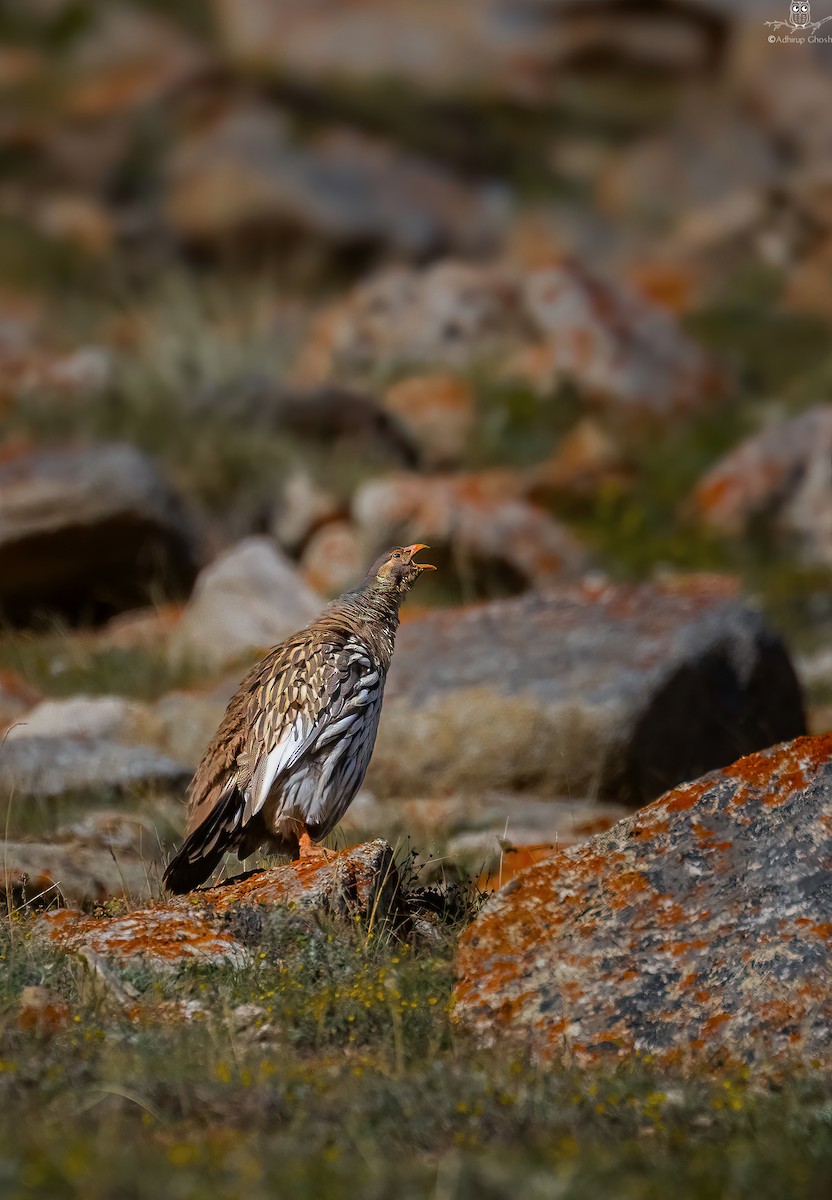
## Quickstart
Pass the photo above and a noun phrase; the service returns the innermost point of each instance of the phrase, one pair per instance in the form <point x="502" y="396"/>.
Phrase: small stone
<point x="248" y="599"/>
<point x="142" y="629"/>
<point x="808" y="286"/>
<point x="125" y="60"/>
<point x="85" y="370"/>
<point x="585" y="462"/>
<point x="112" y="830"/>
<point x="302" y="507"/>
<point x="333" y="560"/>
<point x="17" y="697"/>
<point x="40" y="1010"/>
<point x="439" y="412"/>
<point x="779" y="479"/>
<point x="79" y="220"/>
<point x="79" y="870"/>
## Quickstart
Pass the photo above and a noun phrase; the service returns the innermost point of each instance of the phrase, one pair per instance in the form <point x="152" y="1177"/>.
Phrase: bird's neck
<point x="374" y="614"/>
<point x="379" y="605"/>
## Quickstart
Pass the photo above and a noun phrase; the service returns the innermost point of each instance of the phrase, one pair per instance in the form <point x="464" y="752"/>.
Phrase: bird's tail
<point x="202" y="850"/>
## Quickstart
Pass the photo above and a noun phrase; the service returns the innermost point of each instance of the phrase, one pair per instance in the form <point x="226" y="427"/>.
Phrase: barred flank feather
<point x="296" y="739"/>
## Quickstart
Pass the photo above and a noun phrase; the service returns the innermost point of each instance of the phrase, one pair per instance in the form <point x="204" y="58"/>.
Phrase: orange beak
<point x="414" y="549"/>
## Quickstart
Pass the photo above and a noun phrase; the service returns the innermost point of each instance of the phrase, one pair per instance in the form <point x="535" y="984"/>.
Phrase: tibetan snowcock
<point x="296" y="739"/>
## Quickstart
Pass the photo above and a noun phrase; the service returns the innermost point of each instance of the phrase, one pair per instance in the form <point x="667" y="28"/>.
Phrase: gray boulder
<point x="247" y="171"/>
<point x="41" y="873"/>
<point x="616" y="692"/>
<point x="472" y="52"/>
<point x="88" y="531"/>
<point x="113" y="717"/>
<point x="52" y="767"/>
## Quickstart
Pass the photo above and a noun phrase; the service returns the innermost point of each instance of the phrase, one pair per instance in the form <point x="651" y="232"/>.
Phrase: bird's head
<point x="396" y="572"/>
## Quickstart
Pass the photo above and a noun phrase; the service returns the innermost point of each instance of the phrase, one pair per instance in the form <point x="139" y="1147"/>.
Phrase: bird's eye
<point x="397" y="554"/>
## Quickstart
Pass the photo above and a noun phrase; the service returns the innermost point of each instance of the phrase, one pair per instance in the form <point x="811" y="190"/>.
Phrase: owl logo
<point x="799" y="18"/>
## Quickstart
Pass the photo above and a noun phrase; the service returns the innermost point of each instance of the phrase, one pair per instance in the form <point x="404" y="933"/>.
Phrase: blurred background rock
<point x="544" y="283"/>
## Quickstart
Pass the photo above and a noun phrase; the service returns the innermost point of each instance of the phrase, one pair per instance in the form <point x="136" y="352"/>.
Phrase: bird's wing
<point x="314" y="696"/>
<point x="219" y="770"/>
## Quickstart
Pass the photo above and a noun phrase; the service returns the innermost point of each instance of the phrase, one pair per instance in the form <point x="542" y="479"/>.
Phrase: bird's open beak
<point x="411" y="550"/>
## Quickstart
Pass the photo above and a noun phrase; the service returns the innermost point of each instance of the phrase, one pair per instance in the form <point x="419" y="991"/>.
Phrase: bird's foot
<point x="308" y="849"/>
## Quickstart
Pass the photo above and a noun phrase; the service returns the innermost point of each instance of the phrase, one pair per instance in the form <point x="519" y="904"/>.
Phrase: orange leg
<point x="307" y="848"/>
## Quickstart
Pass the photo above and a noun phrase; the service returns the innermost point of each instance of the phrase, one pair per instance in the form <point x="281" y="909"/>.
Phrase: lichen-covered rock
<point x="555" y="323"/>
<point x="218" y="924"/>
<point x="247" y="599"/>
<point x="89" y="531"/>
<point x="467" y="52"/>
<point x="780" y="478"/>
<point x="125" y="59"/>
<point x="51" y="767"/>
<point x="42" y="1011"/>
<point x="448" y="314"/>
<point x="611" y="691"/>
<point x="618" y="347"/>
<point x="480" y="521"/>
<point x="359" y="882"/>
<point x="696" y="929"/>
<point x="161" y="937"/>
<point x="246" y="171"/>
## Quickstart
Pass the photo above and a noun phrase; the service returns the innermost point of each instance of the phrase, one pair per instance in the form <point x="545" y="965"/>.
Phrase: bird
<point x="297" y="737"/>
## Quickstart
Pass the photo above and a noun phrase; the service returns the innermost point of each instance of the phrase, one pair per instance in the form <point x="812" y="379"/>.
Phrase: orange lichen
<point x="713" y="1023"/>
<point x="162" y="933"/>
<point x="684" y="947"/>
<point x="701" y="938"/>
<point x="683" y="798"/>
<point x="772" y="776"/>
